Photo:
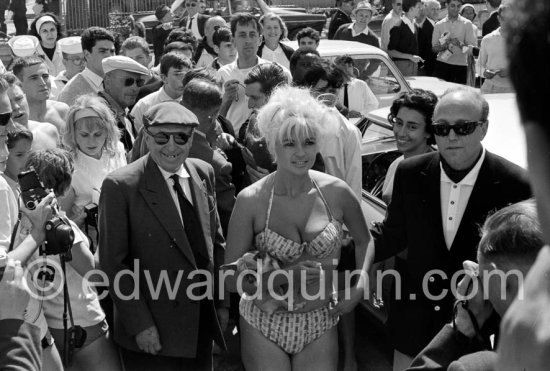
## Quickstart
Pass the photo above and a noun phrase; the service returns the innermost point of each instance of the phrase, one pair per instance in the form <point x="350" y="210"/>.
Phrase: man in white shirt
<point x="438" y="202"/>
<point x="453" y="38"/>
<point x="246" y="35"/>
<point x="173" y="67"/>
<point x="73" y="60"/>
<point x="97" y="44"/>
<point x="355" y="94"/>
<point x="391" y="20"/>
<point x="492" y="57"/>
<point x="194" y="21"/>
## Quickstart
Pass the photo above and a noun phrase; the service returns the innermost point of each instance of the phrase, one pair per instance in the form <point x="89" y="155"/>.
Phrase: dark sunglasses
<point x="5" y="118"/>
<point x="129" y="81"/>
<point x="442" y="129"/>
<point x="76" y="61"/>
<point x="162" y="138"/>
<point x="191" y="4"/>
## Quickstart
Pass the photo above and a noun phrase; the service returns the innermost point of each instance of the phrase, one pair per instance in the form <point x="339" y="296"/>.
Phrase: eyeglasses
<point x="190" y="5"/>
<point x="442" y="129"/>
<point x="162" y="138"/>
<point x="129" y="81"/>
<point x="76" y="61"/>
<point x="5" y="118"/>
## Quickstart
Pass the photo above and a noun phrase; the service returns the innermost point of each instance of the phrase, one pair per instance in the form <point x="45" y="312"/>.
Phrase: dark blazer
<point x="403" y="40"/>
<point x="339" y="18"/>
<point x="451" y="350"/>
<point x="286" y="49"/>
<point x="201" y="20"/>
<point x="159" y="37"/>
<point x="138" y="219"/>
<point x="490" y="24"/>
<point x="413" y="222"/>
<point x="425" y="47"/>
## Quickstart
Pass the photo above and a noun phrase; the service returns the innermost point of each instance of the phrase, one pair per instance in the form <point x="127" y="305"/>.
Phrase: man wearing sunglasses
<point x="158" y="217"/>
<point x="122" y="80"/>
<point x="439" y="201"/>
<point x="194" y="21"/>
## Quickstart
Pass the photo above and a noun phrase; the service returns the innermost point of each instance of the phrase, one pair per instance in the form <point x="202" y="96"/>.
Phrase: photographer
<point x="96" y="352"/>
<point x="511" y="239"/>
<point x="19" y="341"/>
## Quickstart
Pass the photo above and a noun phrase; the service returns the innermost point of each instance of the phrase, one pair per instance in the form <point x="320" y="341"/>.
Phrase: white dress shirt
<point x="360" y="97"/>
<point x="454" y="199"/>
<point x="184" y="183"/>
<point x="194" y="26"/>
<point x="277" y="56"/>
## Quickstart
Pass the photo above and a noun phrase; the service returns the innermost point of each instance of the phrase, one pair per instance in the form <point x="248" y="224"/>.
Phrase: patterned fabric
<point x="291" y="331"/>
<point x="288" y="251"/>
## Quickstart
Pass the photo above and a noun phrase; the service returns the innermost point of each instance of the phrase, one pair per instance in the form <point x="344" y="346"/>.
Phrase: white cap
<point x="120" y="62"/>
<point x="70" y="45"/>
<point x="23" y="45"/>
<point x="175" y="5"/>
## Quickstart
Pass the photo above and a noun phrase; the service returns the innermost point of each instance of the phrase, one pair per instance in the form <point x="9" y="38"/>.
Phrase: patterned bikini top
<point x="288" y="251"/>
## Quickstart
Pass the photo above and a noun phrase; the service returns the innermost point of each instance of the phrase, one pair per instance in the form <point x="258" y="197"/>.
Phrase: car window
<point x="378" y="151"/>
<point x="379" y="77"/>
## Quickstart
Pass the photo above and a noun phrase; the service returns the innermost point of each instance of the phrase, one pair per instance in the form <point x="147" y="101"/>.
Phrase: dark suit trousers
<point x="451" y="72"/>
<point x="138" y="361"/>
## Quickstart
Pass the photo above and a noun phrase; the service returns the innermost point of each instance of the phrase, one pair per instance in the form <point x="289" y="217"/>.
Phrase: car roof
<point x="334" y="48"/>
<point x="505" y="136"/>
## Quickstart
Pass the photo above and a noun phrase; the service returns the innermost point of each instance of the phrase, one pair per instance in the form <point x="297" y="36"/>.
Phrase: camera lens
<point x="31" y="205"/>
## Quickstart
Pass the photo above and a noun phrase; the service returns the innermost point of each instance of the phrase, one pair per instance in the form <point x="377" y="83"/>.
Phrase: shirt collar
<point x="181" y="172"/>
<point x="408" y="23"/>
<point x="164" y="97"/>
<point x="353" y="33"/>
<point x="470" y="179"/>
<point x="92" y="76"/>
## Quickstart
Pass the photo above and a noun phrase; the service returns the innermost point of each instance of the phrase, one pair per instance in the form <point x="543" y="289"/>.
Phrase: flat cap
<point x="23" y="45"/>
<point x="363" y="5"/>
<point x="119" y="62"/>
<point x="70" y="45"/>
<point x="170" y="113"/>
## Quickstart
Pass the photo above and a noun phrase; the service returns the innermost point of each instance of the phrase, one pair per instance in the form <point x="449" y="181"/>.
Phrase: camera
<point x="75" y="337"/>
<point x="91" y="211"/>
<point x="32" y="189"/>
<point x="59" y="236"/>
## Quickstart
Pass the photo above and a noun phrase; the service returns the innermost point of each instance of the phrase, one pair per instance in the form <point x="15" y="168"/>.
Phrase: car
<point x="505" y="137"/>
<point x="374" y="66"/>
<point x="295" y="18"/>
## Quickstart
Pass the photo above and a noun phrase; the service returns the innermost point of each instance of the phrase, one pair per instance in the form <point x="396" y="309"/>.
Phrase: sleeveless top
<point x="288" y="251"/>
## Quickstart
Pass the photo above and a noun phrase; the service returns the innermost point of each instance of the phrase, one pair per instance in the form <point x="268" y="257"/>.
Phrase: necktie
<point x="346" y="101"/>
<point x="190" y="24"/>
<point x="192" y="226"/>
<point x="125" y="137"/>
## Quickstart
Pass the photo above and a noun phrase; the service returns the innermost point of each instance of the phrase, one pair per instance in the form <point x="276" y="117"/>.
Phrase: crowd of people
<point x="151" y="201"/>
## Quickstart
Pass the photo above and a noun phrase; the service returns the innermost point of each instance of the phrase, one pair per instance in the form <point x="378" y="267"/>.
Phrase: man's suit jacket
<point x="491" y="24"/>
<point x="451" y="350"/>
<point x="138" y="219"/>
<point x="201" y="20"/>
<point x="425" y="47"/>
<point x="413" y="222"/>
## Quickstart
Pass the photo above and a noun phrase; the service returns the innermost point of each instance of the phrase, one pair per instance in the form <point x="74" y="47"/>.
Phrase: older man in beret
<point x="121" y="83"/>
<point x="158" y="219"/>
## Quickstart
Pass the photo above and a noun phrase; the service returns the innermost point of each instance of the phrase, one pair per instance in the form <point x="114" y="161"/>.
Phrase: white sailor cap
<point x="23" y="45"/>
<point x="70" y="45"/>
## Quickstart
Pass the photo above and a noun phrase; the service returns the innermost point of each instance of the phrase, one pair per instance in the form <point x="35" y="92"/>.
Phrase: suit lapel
<point x="432" y="199"/>
<point x="155" y="191"/>
<point x="200" y="204"/>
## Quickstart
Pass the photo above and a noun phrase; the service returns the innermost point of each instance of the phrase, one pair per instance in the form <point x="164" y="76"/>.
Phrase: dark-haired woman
<point x="47" y="28"/>
<point x="411" y="118"/>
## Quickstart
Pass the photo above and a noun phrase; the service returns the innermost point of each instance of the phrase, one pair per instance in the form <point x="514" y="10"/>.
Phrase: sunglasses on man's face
<point x="442" y="129"/>
<point x="129" y="81"/>
<point x="162" y="138"/>
<point x="190" y="5"/>
<point x="5" y="118"/>
<point x="76" y="61"/>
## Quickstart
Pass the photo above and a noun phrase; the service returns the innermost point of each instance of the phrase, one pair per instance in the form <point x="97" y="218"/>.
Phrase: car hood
<point x="434" y="84"/>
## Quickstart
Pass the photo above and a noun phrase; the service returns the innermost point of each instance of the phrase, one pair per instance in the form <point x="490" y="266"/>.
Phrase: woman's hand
<point x="344" y="304"/>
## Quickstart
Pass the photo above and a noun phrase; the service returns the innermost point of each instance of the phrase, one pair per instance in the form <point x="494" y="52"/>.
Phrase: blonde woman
<point x="294" y="218"/>
<point x="91" y="135"/>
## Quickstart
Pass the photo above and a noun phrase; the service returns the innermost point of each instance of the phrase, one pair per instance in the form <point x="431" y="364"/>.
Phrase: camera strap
<point x="67" y="351"/>
<point x="14" y="232"/>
